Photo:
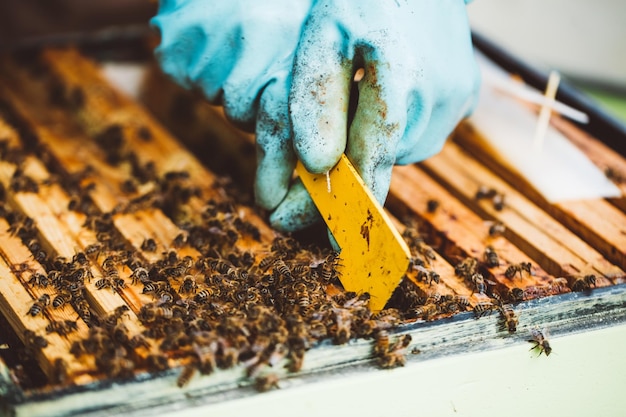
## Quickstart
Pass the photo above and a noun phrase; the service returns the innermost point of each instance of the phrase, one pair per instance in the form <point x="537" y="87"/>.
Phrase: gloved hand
<point x="420" y="81"/>
<point x="240" y="54"/>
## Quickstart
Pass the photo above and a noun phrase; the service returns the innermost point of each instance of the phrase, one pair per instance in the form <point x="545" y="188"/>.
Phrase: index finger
<point x="320" y="93"/>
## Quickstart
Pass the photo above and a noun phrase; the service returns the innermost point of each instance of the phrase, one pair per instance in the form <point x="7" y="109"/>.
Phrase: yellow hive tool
<point x="374" y="257"/>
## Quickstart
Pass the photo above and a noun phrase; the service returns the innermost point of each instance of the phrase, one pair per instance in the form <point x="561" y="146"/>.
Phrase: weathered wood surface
<point x="597" y="222"/>
<point x="563" y="243"/>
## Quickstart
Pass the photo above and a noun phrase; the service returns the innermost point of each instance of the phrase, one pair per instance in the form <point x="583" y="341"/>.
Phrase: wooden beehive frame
<point x="577" y="244"/>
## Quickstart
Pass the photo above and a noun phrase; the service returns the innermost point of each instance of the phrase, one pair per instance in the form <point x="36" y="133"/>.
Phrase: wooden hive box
<point x="128" y="268"/>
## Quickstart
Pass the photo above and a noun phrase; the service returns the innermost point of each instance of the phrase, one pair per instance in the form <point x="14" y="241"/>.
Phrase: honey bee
<point x="481" y="309"/>
<point x="60" y="299"/>
<point x="103" y="283"/>
<point x="499" y="202"/>
<point x="20" y="182"/>
<point x="129" y="186"/>
<point x="186" y="374"/>
<point x="39" y="305"/>
<point x="175" y="271"/>
<point x="614" y="175"/>
<point x="303" y="299"/>
<point x="466" y="268"/>
<point x="78" y="348"/>
<point x="457" y="303"/>
<point x="22" y="267"/>
<point x="248" y="228"/>
<point x="515" y="294"/>
<point x="296" y="360"/>
<point x="75" y="289"/>
<point x="432" y="205"/>
<point x="329" y="266"/>
<point x="584" y="283"/>
<point x="509" y="316"/>
<point x="102" y="223"/>
<point x="170" y="257"/>
<point x="285" y="246"/>
<point x="80" y="258"/>
<point x="118" y="366"/>
<point x="39" y="279"/>
<point x="149" y="288"/>
<point x="221" y="267"/>
<point x="140" y="275"/>
<point x="83" y="310"/>
<point x="60" y="371"/>
<point x="110" y="262"/>
<point x="118" y="283"/>
<point x="266" y="382"/>
<point x="424" y="274"/>
<point x="425" y="312"/>
<point x="180" y="240"/>
<point x="149" y="245"/>
<point x="156" y="362"/>
<point x="381" y="345"/>
<point x="267" y="261"/>
<point x="40" y="256"/>
<point x="343" y="322"/>
<point x="282" y="269"/>
<point x="396" y="353"/>
<point x="484" y="192"/>
<point x="513" y="269"/>
<point x="176" y="175"/>
<point x="189" y="285"/>
<point x="94" y="249"/>
<point x="139" y="341"/>
<point x="206" y="356"/>
<point x="491" y="257"/>
<point x="301" y="269"/>
<point x="203" y="296"/>
<point x="165" y="298"/>
<point x="22" y="226"/>
<point x="34" y="245"/>
<point x="496" y="229"/>
<point x="120" y="334"/>
<point x="540" y="340"/>
<point x="34" y="341"/>
<point x="112" y="319"/>
<point x="62" y="327"/>
<point x="228" y="357"/>
<point x="558" y="285"/>
<point x="479" y="283"/>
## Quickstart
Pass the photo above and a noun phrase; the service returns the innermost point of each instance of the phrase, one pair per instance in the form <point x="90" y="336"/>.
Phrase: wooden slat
<point x="14" y="252"/>
<point x="549" y="243"/>
<point x="601" y="224"/>
<point x="459" y="231"/>
<point x="584" y="219"/>
<point x="61" y="239"/>
<point x="15" y="303"/>
<point x="105" y="106"/>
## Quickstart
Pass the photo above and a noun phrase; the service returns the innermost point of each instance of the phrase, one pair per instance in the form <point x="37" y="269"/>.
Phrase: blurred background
<point x="585" y="41"/>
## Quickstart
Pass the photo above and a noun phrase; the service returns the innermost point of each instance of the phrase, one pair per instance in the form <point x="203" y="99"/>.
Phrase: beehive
<point x="167" y="272"/>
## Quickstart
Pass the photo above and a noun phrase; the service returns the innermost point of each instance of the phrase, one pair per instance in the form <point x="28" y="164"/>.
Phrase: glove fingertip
<point x="316" y="160"/>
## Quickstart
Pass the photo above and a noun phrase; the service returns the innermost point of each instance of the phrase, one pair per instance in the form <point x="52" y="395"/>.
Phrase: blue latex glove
<point x="420" y="80"/>
<point x="240" y="54"/>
